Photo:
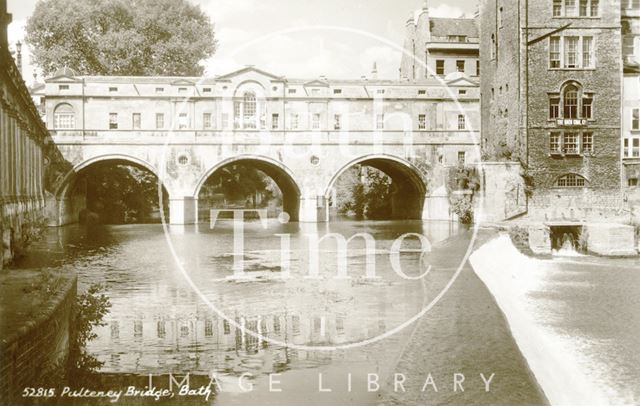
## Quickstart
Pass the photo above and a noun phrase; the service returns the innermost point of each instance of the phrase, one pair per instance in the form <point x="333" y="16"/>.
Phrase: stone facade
<point x="302" y="132"/>
<point x="551" y="99"/>
<point x="439" y="47"/>
<point x="22" y="150"/>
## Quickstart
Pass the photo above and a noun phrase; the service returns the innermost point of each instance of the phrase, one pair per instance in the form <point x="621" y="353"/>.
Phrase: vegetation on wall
<point x="462" y="182"/>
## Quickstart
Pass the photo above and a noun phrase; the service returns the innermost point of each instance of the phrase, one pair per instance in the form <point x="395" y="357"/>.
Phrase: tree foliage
<point x="370" y="197"/>
<point x="121" y="194"/>
<point x="238" y="182"/>
<point x="120" y="37"/>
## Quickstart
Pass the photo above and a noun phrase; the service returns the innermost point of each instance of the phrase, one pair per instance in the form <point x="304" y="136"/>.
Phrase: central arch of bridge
<point x="408" y="184"/>
<point x="278" y="172"/>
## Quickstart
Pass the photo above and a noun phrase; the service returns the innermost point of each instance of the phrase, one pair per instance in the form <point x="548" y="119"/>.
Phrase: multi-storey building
<point x="551" y="99"/>
<point x="439" y="47"/>
<point x="631" y="98"/>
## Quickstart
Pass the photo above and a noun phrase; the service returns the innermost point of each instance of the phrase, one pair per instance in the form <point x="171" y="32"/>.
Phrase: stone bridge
<point x="305" y="172"/>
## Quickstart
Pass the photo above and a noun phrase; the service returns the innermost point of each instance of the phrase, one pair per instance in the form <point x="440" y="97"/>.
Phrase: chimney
<point x="374" y="71"/>
<point x="19" y="56"/>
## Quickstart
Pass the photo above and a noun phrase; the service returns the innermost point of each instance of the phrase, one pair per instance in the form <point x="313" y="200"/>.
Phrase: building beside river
<point x="552" y="95"/>
<point x="23" y="136"/>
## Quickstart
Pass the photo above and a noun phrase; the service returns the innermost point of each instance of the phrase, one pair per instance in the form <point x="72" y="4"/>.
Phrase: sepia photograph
<point x="281" y="202"/>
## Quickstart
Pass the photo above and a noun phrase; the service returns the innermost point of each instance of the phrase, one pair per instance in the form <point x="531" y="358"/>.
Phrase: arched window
<point x="246" y="111"/>
<point x="64" y="117"/>
<point x="571" y="102"/>
<point x="571" y="180"/>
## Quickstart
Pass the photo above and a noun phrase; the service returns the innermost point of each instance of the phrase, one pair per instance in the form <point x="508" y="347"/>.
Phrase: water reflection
<point x="158" y="324"/>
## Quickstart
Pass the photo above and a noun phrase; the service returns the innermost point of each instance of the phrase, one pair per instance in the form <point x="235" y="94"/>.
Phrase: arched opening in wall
<point x="377" y="188"/>
<point x="112" y="191"/>
<point x="249" y="183"/>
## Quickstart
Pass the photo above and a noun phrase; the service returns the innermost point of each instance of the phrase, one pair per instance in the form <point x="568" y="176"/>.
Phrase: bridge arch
<point x="409" y="183"/>
<point x="65" y="209"/>
<point x="281" y="175"/>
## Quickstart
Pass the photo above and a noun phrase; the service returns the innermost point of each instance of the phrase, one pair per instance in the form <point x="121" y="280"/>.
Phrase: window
<point x="628" y="45"/>
<point x="135" y="121"/>
<point x="570" y="9"/>
<point x="422" y="121"/>
<point x="571" y="180"/>
<point x="63" y="87"/>
<point x="379" y="121"/>
<point x="571" y="102"/>
<point x="337" y="121"/>
<point x="555" y="145"/>
<point x="460" y="66"/>
<point x="557" y="8"/>
<point x="291" y="91"/>
<point x="631" y="4"/>
<point x="462" y="122"/>
<point x="183" y="121"/>
<point x="249" y="110"/>
<point x="633" y="182"/>
<point x="462" y="92"/>
<point x="632" y="147"/>
<point x="457" y="38"/>
<point x="571" y="143"/>
<point x="579" y="52"/>
<point x="159" y="120"/>
<point x="182" y="90"/>
<point x="587" y="52"/>
<point x="64" y="117"/>
<point x="635" y="119"/>
<point x="206" y="120"/>
<point x="587" y="142"/>
<point x="571" y="52"/>
<point x="315" y="121"/>
<point x="500" y="10"/>
<point x="113" y="121"/>
<point x="294" y="121"/>
<point x="462" y="156"/>
<point x="554" y="107"/>
<point x="422" y="92"/>
<point x="275" y="121"/>
<point x="206" y="90"/>
<point x="440" y="67"/>
<point x="554" y="52"/>
<point x="380" y="91"/>
<point x="159" y="89"/>
<point x="113" y="89"/>
<point x="337" y="91"/>
<point x="587" y="108"/>
<point x="477" y="68"/>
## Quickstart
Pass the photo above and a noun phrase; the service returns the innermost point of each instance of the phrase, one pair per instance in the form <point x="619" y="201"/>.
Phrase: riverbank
<point x="572" y="320"/>
<point x="36" y="310"/>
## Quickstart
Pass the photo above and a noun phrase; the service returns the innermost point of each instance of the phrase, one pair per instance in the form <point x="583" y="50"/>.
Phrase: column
<point x="182" y="210"/>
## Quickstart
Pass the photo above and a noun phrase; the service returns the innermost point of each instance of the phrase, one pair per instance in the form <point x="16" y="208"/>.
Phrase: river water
<point x="159" y="282"/>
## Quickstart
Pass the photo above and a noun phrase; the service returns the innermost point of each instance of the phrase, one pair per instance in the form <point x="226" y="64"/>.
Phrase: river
<point x="298" y="329"/>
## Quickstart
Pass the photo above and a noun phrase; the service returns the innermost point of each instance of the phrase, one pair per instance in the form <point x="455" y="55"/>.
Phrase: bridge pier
<point x="313" y="209"/>
<point x="183" y="210"/>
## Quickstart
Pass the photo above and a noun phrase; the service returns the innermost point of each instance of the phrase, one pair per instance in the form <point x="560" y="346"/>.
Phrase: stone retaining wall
<point x="39" y="346"/>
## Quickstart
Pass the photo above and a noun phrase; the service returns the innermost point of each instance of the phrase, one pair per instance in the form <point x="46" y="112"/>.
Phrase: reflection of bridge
<point x="303" y="134"/>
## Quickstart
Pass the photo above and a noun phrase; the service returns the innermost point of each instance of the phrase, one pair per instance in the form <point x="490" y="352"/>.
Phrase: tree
<point x="120" y="37"/>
